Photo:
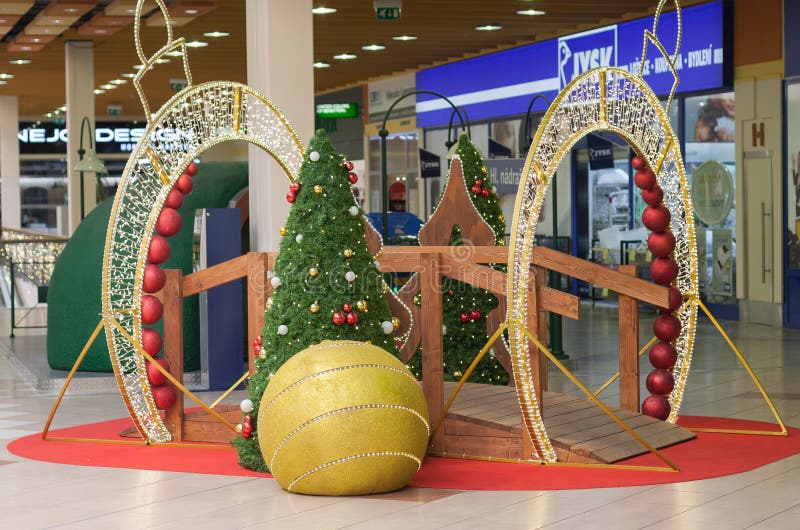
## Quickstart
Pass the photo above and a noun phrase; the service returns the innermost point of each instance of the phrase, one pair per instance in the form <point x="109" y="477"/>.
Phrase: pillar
<point x="9" y="163"/>
<point x="279" y="65"/>
<point x="79" y="64"/>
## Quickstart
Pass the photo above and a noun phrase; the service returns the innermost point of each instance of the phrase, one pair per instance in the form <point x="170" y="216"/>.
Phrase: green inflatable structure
<point x="73" y="302"/>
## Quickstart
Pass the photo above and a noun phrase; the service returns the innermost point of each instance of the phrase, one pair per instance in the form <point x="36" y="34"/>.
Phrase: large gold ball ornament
<point x="343" y="418"/>
<point x="361" y="305"/>
<point x="395" y="323"/>
<point x="318" y="189"/>
<point x="282" y="231"/>
<point x="314" y="308"/>
<point x="348" y="252"/>
<point x="313" y="272"/>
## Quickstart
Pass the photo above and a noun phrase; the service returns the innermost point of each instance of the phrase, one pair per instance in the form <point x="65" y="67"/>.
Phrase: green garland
<point x="323" y="270"/>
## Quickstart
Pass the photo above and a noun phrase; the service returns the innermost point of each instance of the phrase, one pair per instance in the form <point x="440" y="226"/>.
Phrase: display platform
<point x="707" y="456"/>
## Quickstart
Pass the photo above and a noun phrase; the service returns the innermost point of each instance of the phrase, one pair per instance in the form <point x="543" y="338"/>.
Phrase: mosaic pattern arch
<point x="605" y="99"/>
<point x="194" y="120"/>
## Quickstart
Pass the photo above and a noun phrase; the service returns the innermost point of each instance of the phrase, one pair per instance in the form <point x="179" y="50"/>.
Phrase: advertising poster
<point x="793" y="174"/>
<point x="722" y="266"/>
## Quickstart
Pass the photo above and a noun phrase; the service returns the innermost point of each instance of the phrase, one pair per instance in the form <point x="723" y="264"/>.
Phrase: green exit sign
<point x="337" y="110"/>
<point x="387" y="13"/>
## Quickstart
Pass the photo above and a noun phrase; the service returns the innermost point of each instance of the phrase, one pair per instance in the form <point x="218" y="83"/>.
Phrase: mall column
<point x="279" y="65"/>
<point x="79" y="65"/>
<point x="9" y="162"/>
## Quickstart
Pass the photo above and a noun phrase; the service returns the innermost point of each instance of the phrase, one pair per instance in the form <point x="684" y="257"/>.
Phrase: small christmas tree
<point x="465" y="307"/>
<point x="325" y="283"/>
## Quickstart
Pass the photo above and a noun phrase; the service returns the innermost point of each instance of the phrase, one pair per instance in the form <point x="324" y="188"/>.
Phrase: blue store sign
<point x="502" y="83"/>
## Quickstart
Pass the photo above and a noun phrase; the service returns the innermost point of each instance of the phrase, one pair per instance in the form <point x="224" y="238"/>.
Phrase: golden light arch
<point x="604" y="99"/>
<point x="192" y="121"/>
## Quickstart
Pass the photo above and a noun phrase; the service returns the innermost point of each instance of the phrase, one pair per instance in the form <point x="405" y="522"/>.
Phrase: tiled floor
<point x="41" y="495"/>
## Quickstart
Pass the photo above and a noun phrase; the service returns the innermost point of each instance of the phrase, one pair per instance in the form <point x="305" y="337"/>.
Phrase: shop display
<point x="342" y="418"/>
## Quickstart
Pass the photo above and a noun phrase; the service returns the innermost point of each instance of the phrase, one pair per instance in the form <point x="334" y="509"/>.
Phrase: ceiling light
<point x="346" y="56"/>
<point x="36" y="39"/>
<point x="530" y="12"/>
<point x="70" y="10"/>
<point x="174" y="53"/>
<point x="405" y="37"/>
<point x="138" y="67"/>
<point x="130" y="10"/>
<point x="191" y="11"/>
<point x="216" y="34"/>
<point x="118" y="81"/>
<point x="99" y="91"/>
<point x="162" y="61"/>
<point x="489" y="27"/>
<point x="63" y="108"/>
<point x="49" y="114"/>
<point x="373" y="47"/>
<point x="323" y="10"/>
<point x="57" y="112"/>
<point x="321" y="64"/>
<point x="20" y="61"/>
<point x="6" y="76"/>
<point x="129" y="76"/>
<point x="57" y="21"/>
<point x="108" y="86"/>
<point x="196" y="44"/>
<point x="3" y="82"/>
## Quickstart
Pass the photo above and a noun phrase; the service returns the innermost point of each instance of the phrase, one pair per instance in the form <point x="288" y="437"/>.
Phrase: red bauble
<point x="151" y="341"/>
<point x="475" y="314"/>
<point x="247" y="430"/>
<point x="667" y="327"/>
<point x="294" y="187"/>
<point x="352" y="319"/>
<point x="164" y="396"/>
<point x="464" y="318"/>
<point x="675" y="300"/>
<point x="291" y="197"/>
<point x="660" y="381"/>
<point x="656" y="407"/>
<point x="485" y="192"/>
<point x="347" y="308"/>
<point x="475" y="190"/>
<point x="158" y="251"/>
<point x="663" y="270"/>
<point x="155" y="377"/>
<point x="352" y="177"/>
<point x="154" y="278"/>
<point x="661" y="244"/>
<point x="663" y="355"/>
<point x="184" y="184"/>
<point x="191" y="169"/>
<point x="645" y="179"/>
<point x="349" y="166"/>
<point x="151" y="309"/>
<point x="338" y="318"/>
<point x="174" y="199"/>
<point x="451" y="293"/>
<point x="169" y="222"/>
<point x="656" y="218"/>
<point x="638" y="163"/>
<point x="654" y="196"/>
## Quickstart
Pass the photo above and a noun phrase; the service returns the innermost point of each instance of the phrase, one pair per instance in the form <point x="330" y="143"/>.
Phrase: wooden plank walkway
<point x="485" y="421"/>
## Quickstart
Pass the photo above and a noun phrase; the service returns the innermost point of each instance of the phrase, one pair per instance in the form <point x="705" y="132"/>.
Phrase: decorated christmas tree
<point x="465" y="307"/>
<point x="325" y="284"/>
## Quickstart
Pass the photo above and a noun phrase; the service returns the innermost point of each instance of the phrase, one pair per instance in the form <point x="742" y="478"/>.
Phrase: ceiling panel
<point x="445" y="31"/>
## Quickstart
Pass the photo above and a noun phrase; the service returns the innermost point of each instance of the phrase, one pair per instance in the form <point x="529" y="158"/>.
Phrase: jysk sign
<point x="337" y="110"/>
<point x="704" y="62"/>
<point x="430" y="165"/>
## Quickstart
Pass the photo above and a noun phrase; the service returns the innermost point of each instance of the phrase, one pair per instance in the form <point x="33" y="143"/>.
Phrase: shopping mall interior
<point x="573" y="224"/>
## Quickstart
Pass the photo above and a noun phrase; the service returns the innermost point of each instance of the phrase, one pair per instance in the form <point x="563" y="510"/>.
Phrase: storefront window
<point x="402" y="173"/>
<point x="711" y="169"/>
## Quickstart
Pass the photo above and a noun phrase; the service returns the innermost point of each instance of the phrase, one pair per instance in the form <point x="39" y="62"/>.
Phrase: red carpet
<point x="710" y="455"/>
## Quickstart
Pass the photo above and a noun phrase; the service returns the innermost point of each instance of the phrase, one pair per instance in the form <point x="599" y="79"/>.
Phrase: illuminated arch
<point x="606" y="99"/>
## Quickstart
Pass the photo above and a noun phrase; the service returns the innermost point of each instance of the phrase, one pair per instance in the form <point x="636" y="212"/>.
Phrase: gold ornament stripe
<point x="151" y="156"/>
<point x="350" y="458"/>
<point x="329" y="371"/>
<point x="631" y="110"/>
<point x="237" y="108"/>
<point x="346" y="410"/>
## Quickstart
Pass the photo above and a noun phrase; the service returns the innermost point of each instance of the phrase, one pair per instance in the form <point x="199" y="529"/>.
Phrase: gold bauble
<point x="238" y="427"/>
<point x="313" y="272"/>
<point x="282" y="231"/>
<point x="484" y="170"/>
<point x="262" y="354"/>
<point x="314" y="308"/>
<point x="345" y="403"/>
<point x="348" y="253"/>
<point x="361" y="305"/>
<point x="395" y="323"/>
<point x="457" y="374"/>
<point x="318" y="189"/>
<point x="269" y="303"/>
<point x="501" y="217"/>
